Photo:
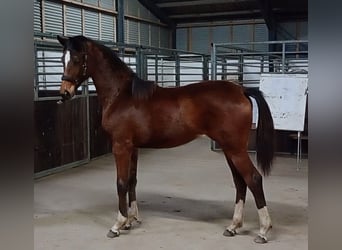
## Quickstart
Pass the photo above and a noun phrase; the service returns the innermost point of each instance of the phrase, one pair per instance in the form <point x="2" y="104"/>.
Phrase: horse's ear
<point x="62" y="40"/>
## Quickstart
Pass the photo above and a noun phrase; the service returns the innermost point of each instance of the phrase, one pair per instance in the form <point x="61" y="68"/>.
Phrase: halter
<point x="84" y="73"/>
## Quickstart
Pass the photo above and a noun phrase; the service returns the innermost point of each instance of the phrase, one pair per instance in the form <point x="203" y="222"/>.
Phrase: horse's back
<point x="201" y="108"/>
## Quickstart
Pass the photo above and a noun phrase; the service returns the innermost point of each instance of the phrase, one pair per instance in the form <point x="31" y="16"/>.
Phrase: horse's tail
<point x="264" y="132"/>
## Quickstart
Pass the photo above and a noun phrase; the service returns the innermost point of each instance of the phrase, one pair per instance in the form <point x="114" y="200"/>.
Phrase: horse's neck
<point x="109" y="83"/>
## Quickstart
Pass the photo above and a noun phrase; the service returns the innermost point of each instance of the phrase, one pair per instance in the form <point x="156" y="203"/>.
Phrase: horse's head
<point x="74" y="63"/>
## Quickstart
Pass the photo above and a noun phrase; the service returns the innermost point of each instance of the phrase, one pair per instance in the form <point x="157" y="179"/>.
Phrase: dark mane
<point x="115" y="62"/>
<point x="141" y="89"/>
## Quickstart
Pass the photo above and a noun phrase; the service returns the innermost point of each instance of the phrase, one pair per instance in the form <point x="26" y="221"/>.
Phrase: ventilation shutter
<point x="221" y="34"/>
<point x="91" y="2"/>
<point x="133" y="32"/>
<point x="242" y="34"/>
<point x="107" y="27"/>
<point x="37" y="19"/>
<point x="182" y="39"/>
<point x="144" y="34"/>
<point x="107" y="4"/>
<point x="260" y="35"/>
<point x="154" y="36"/>
<point x="73" y="21"/>
<point x="164" y="38"/>
<point x="53" y="13"/>
<point x="200" y="39"/>
<point x="91" y="27"/>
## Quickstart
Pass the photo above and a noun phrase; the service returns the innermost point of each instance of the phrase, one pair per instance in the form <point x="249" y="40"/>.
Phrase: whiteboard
<point x="286" y="96"/>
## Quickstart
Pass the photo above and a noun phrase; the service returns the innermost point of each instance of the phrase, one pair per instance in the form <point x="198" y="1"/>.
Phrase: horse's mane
<point x="141" y="89"/>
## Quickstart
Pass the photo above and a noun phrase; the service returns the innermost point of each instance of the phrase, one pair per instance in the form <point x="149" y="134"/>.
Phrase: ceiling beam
<point x="266" y="11"/>
<point x="159" y="13"/>
<point x="269" y="17"/>
<point x="215" y="14"/>
<point x="193" y="3"/>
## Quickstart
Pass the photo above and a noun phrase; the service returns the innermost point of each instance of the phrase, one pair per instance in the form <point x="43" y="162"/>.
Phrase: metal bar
<point x="283" y="58"/>
<point x="177" y="69"/>
<point x="120" y="21"/>
<point x="213" y="62"/>
<point x="156" y="68"/>
<point x="85" y="92"/>
<point x="298" y="149"/>
<point x="60" y="168"/>
<point x="36" y="78"/>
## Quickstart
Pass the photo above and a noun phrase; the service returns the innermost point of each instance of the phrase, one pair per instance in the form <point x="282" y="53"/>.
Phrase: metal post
<point x="240" y="76"/>
<point x="298" y="149"/>
<point x="85" y="93"/>
<point x="156" y="68"/>
<point x="283" y="58"/>
<point x="213" y="62"/>
<point x="120" y="23"/>
<point x="177" y="61"/>
<point x="205" y="71"/>
<point x="36" y="77"/>
<point x="138" y="61"/>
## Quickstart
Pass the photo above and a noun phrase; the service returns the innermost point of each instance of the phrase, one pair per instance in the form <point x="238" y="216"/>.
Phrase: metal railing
<point x="245" y="62"/>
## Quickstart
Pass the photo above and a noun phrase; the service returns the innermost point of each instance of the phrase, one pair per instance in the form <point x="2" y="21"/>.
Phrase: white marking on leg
<point x="265" y="222"/>
<point x="237" y="217"/>
<point x="66" y="58"/>
<point x="120" y="222"/>
<point x="133" y="214"/>
<point x="133" y="211"/>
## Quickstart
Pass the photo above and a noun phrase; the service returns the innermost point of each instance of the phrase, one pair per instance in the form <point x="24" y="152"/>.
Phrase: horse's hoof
<point x="260" y="239"/>
<point x="112" y="234"/>
<point x="127" y="227"/>
<point x="229" y="233"/>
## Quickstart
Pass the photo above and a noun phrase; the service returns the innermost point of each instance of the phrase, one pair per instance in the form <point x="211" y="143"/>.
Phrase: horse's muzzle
<point x="65" y="97"/>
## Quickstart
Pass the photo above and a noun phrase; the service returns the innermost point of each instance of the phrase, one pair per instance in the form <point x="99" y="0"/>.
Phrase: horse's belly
<point x="162" y="140"/>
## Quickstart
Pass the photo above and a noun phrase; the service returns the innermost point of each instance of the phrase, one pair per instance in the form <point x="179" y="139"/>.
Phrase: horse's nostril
<point x="66" y="95"/>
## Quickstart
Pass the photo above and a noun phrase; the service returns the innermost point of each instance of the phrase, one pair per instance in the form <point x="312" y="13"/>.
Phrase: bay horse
<point x="140" y="114"/>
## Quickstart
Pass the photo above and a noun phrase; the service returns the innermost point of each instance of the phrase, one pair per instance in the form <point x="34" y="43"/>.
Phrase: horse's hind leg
<point x="253" y="179"/>
<point x="133" y="214"/>
<point x="239" y="200"/>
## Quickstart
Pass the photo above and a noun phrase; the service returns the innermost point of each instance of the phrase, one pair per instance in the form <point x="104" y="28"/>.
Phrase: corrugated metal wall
<point x="97" y="19"/>
<point x="199" y="39"/>
<point x="182" y="39"/>
<point x="221" y="34"/>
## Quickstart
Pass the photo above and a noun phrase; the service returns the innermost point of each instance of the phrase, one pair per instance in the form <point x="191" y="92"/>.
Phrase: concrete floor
<point x="185" y="198"/>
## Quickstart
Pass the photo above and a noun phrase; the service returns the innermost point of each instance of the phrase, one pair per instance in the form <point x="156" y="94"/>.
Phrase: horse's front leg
<point x="133" y="214"/>
<point x="122" y="152"/>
